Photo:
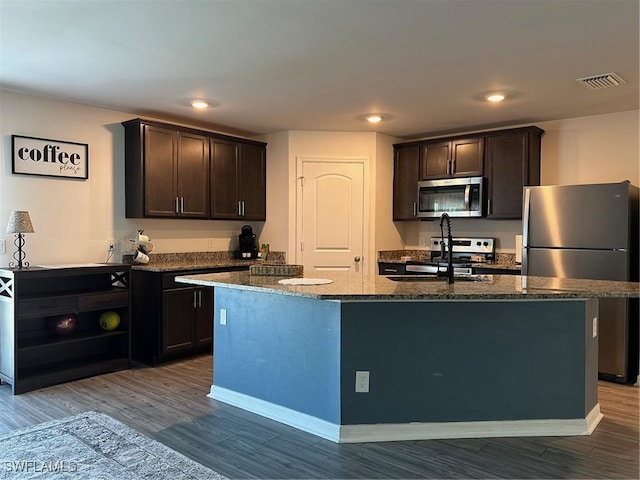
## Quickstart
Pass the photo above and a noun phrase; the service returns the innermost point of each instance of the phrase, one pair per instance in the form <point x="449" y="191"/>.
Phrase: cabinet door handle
<point x="415" y="209"/>
<point x="181" y="204"/>
<point x="453" y="166"/>
<point x="239" y="208"/>
<point x="177" y="205"/>
<point x="195" y="305"/>
<point x="199" y="298"/>
<point x="489" y="206"/>
<point x="243" y="208"/>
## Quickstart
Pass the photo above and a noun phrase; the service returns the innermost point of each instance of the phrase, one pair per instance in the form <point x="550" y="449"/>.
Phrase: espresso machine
<point x="247" y="247"/>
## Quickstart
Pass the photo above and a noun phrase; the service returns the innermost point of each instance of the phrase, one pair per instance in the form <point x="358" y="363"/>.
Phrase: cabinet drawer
<point x="387" y="268"/>
<point x="104" y="300"/>
<point x="47" y="306"/>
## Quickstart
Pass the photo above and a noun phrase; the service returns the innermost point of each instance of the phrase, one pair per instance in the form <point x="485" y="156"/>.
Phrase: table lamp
<point x="19" y="223"/>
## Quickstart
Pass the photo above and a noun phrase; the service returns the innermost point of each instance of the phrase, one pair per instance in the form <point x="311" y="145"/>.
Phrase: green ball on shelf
<point x="109" y="320"/>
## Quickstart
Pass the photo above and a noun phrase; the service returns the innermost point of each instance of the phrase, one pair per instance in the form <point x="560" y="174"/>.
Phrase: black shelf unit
<point x="31" y="356"/>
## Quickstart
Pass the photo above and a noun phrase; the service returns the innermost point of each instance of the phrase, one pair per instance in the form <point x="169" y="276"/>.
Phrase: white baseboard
<point x="409" y="431"/>
<point x="301" y="421"/>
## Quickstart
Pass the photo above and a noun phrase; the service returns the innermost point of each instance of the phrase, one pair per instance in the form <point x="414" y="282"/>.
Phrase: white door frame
<point x="368" y="258"/>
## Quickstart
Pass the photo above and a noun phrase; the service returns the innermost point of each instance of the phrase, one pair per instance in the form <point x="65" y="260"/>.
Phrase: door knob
<point x="356" y="259"/>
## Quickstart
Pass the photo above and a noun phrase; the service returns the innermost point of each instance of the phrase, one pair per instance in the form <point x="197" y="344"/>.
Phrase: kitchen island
<point x="502" y="356"/>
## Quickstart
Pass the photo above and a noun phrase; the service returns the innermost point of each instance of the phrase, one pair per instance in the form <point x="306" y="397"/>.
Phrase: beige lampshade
<point x="19" y="222"/>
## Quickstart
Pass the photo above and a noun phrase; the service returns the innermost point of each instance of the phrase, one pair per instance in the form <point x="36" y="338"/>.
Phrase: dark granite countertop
<point x="504" y="261"/>
<point x="174" y="262"/>
<point x="355" y="287"/>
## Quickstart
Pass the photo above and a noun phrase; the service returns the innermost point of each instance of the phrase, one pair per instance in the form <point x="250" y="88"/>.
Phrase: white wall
<point x="73" y="218"/>
<point x="276" y="228"/>
<point x="374" y="147"/>
<point x="595" y="149"/>
<point x="388" y="235"/>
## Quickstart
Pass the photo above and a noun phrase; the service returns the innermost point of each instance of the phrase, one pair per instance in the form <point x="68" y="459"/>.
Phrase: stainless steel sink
<point x="434" y="278"/>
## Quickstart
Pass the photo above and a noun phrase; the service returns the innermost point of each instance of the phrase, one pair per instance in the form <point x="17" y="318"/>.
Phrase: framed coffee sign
<point x="52" y="158"/>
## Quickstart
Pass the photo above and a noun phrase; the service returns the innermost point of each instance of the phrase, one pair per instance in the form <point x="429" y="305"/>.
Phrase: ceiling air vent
<point x="596" y="82"/>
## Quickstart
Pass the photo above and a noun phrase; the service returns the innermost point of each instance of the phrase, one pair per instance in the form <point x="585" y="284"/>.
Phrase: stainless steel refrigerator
<point x="589" y="231"/>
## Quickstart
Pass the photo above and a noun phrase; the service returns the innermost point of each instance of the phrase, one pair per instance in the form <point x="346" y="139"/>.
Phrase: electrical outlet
<point x="423" y="241"/>
<point x="2" y="246"/>
<point x="223" y="316"/>
<point x="211" y="243"/>
<point x="362" y="382"/>
<point x="111" y="244"/>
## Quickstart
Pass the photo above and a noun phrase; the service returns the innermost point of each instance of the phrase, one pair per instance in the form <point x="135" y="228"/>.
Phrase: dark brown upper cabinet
<point x="238" y="180"/>
<point x="406" y="169"/>
<point x="462" y="157"/>
<point x="512" y="161"/>
<point x="507" y="159"/>
<point x="180" y="172"/>
<point x="166" y="171"/>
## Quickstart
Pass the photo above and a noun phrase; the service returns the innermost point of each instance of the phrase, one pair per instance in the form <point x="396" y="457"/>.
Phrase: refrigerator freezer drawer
<point x="570" y="263"/>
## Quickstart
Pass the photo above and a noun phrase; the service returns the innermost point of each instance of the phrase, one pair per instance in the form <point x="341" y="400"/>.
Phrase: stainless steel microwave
<point x="458" y="197"/>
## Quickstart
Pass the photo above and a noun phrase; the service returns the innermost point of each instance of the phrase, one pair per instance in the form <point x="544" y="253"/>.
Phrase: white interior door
<point x="330" y="216"/>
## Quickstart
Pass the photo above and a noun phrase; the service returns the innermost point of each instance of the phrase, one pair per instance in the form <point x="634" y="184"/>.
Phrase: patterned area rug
<point x="92" y="446"/>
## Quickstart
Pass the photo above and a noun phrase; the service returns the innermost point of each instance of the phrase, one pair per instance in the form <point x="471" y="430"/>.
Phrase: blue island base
<point x="438" y="368"/>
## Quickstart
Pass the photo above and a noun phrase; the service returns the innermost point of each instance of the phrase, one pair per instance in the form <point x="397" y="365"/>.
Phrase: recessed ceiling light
<point x="199" y="104"/>
<point x="374" y="118"/>
<point x="495" y="97"/>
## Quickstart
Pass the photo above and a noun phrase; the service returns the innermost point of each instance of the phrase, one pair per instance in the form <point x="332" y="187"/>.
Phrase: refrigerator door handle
<point x="526" y="212"/>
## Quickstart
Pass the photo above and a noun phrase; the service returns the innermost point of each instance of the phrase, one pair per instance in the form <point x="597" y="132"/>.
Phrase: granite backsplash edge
<point x="202" y="258"/>
<point x="506" y="259"/>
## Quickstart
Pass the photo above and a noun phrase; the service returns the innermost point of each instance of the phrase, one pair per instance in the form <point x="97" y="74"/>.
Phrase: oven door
<point x="458" y="197"/>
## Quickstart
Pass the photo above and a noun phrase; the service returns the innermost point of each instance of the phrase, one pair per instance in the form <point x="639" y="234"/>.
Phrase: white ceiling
<point x="274" y="65"/>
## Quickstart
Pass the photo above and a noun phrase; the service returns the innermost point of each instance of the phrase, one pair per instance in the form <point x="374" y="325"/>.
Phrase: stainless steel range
<point x="467" y="253"/>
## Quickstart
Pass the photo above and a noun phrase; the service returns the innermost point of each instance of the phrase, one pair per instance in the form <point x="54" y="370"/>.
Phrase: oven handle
<point x="467" y="194"/>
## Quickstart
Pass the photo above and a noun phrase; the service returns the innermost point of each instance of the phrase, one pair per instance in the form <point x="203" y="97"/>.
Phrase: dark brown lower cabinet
<point x="187" y="319"/>
<point x="171" y="320"/>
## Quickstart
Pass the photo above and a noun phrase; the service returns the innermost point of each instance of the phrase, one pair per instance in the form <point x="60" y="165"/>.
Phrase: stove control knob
<point x="478" y="243"/>
<point x="435" y="242"/>
<point x="486" y="244"/>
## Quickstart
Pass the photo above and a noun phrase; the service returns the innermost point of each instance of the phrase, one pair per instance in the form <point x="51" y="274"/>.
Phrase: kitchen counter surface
<point x="516" y="267"/>
<point x="174" y="262"/>
<point x="192" y="265"/>
<point x="354" y="287"/>
<point x="503" y="261"/>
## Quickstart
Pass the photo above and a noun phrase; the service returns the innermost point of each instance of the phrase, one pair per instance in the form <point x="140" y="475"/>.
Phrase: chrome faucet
<point x="449" y="244"/>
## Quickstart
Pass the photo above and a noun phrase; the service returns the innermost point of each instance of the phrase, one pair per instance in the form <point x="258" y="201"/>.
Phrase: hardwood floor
<point x="169" y="403"/>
